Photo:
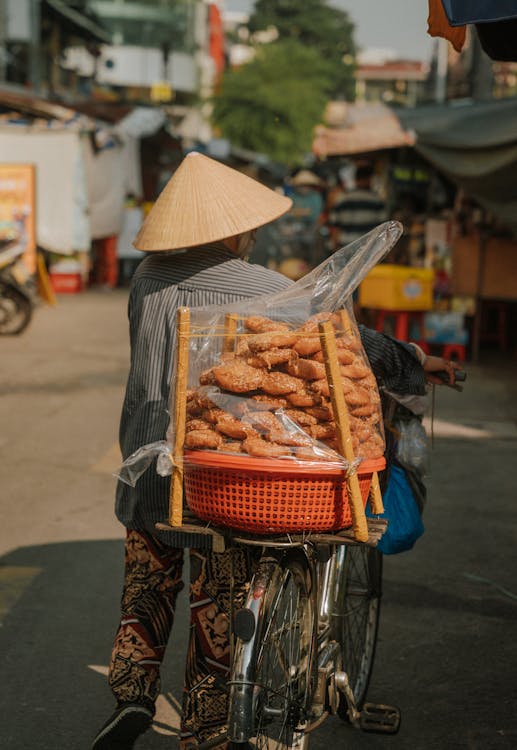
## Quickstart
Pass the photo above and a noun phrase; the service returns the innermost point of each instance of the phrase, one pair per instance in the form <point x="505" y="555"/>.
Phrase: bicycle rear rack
<point x="197" y="533"/>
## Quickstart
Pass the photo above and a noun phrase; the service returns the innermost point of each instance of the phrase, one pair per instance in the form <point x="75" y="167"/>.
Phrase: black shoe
<point x="124" y="726"/>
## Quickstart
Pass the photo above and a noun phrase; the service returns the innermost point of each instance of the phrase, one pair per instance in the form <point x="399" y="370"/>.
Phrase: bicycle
<point x="306" y="638"/>
<point x="303" y="644"/>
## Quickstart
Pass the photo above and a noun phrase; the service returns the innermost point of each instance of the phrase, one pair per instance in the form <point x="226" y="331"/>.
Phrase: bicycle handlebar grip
<point x="459" y="376"/>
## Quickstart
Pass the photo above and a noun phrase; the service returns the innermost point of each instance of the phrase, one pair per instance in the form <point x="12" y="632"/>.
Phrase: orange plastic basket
<point x="265" y="496"/>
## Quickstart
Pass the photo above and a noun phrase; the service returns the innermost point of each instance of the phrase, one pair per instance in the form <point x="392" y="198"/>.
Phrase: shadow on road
<point x="445" y="655"/>
<point x="59" y="606"/>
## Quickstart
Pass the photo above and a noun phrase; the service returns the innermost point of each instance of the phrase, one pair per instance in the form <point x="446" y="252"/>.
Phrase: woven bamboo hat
<point x="206" y="201"/>
<point x="306" y="178"/>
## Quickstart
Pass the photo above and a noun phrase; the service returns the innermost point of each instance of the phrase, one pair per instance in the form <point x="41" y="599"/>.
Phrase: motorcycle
<point x="16" y="297"/>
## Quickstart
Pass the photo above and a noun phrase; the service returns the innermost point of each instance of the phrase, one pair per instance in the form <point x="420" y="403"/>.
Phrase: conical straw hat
<point x="206" y="201"/>
<point x="306" y="178"/>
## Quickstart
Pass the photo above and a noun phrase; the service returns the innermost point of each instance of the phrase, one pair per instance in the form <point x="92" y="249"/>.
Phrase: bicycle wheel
<point x="356" y="617"/>
<point x="273" y="670"/>
<point x="285" y="658"/>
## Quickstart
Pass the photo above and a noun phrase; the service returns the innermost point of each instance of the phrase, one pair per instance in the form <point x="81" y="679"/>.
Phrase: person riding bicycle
<point x="197" y="237"/>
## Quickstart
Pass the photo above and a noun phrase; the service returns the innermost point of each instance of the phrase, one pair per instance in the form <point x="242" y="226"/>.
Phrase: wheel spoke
<point x="359" y="617"/>
<point x="283" y="662"/>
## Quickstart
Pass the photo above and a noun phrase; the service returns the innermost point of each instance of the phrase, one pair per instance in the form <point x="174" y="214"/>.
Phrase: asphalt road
<point x="447" y="651"/>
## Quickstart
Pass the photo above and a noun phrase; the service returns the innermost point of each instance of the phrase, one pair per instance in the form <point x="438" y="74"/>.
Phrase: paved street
<point x="447" y="653"/>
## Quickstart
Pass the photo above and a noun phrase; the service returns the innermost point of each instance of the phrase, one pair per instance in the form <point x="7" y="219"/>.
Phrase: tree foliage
<point x="327" y="30"/>
<point x="272" y="104"/>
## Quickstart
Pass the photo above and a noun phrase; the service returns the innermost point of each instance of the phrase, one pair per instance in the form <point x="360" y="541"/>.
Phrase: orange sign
<point x="17" y="209"/>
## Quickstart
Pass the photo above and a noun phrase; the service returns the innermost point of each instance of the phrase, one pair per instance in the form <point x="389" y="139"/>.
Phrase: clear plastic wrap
<point x="256" y="382"/>
<point x="413" y="444"/>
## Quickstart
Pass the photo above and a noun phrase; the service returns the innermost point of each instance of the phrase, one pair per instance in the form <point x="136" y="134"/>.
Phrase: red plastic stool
<point x="402" y="321"/>
<point x="454" y="351"/>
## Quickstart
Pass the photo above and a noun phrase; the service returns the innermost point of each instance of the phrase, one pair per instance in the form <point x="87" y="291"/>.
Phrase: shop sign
<point x="17" y="209"/>
<point x="161" y="91"/>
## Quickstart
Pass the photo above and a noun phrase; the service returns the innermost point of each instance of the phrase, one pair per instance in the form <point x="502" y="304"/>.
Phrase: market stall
<point x="83" y="170"/>
<point x="474" y="145"/>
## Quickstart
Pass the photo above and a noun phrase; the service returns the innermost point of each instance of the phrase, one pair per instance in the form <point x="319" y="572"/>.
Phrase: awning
<point x="479" y="11"/>
<point x="475" y="145"/>
<point x="17" y="100"/>
<point x="495" y="22"/>
<point x="358" y="128"/>
<point x="34" y="105"/>
<point x="84" y="24"/>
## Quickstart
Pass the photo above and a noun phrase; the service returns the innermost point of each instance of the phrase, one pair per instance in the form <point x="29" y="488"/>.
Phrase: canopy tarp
<point x="84" y="168"/>
<point x="475" y="145"/>
<point x="358" y="128"/>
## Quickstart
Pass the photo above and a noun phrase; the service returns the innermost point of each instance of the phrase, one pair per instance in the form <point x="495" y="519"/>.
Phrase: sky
<point x="400" y="25"/>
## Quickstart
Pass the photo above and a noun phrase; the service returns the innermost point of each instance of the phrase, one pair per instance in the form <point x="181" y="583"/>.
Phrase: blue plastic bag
<point x="402" y="513"/>
<point x="461" y="12"/>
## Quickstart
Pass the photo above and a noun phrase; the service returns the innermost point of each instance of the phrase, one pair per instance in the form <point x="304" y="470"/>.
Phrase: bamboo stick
<point x="345" y="322"/>
<point x="375" y="488"/>
<point x="344" y="437"/>
<point x="376" y="503"/>
<point x="230" y="332"/>
<point x="180" y="415"/>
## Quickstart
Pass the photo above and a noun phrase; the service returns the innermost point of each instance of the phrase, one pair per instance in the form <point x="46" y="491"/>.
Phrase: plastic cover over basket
<point x="260" y="389"/>
<point x="262" y="449"/>
<point x="276" y="348"/>
<point x="257" y="395"/>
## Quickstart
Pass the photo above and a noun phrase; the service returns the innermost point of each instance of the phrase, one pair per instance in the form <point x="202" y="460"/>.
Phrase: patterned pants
<point x="152" y="582"/>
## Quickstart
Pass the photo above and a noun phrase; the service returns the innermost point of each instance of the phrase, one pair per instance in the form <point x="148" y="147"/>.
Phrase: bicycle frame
<point x="243" y="687"/>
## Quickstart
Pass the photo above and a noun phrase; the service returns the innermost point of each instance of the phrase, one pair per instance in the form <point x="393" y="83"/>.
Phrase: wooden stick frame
<point x="375" y="496"/>
<point x="180" y="415"/>
<point x="328" y="342"/>
<point x="180" y="404"/>
<point x="344" y="436"/>
<point x="230" y="332"/>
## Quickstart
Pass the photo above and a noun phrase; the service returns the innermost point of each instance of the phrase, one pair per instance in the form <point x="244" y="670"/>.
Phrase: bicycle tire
<point x="356" y="618"/>
<point x="283" y="670"/>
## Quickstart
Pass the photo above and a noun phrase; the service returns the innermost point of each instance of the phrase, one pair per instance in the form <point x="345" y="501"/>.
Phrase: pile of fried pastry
<point x="282" y="406"/>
